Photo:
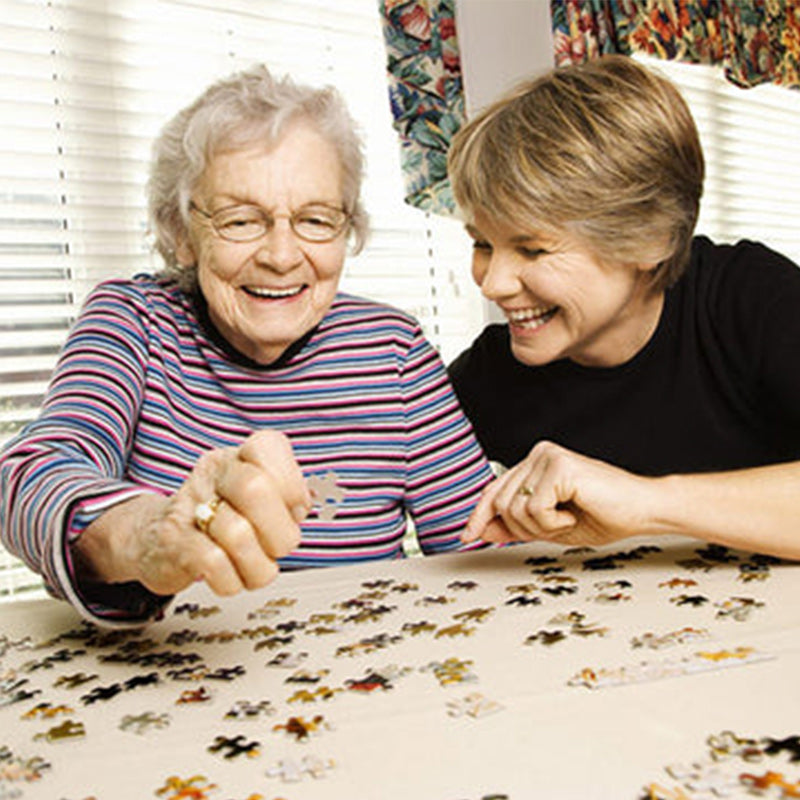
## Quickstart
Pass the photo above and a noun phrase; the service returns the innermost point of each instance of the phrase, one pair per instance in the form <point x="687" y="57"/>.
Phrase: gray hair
<point x="247" y="107"/>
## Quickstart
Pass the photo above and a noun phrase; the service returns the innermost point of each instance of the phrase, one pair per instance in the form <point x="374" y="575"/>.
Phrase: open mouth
<point x="273" y="294"/>
<point x="531" y="318"/>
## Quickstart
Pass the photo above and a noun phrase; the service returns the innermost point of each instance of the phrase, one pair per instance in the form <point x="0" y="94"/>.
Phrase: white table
<point x="538" y="732"/>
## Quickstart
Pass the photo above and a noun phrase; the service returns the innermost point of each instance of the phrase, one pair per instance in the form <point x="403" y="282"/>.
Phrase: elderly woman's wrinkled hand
<point x="237" y="513"/>
<point x="558" y="495"/>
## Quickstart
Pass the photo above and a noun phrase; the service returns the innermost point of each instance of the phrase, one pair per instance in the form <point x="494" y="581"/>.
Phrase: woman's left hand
<point x="558" y="495"/>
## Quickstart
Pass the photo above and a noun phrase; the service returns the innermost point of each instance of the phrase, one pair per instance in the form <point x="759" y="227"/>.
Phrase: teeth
<point x="530" y="317"/>
<point x="274" y="293"/>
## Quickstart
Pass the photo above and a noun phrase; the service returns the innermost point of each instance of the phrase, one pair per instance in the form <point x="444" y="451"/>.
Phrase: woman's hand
<point x="558" y="495"/>
<point x="261" y="499"/>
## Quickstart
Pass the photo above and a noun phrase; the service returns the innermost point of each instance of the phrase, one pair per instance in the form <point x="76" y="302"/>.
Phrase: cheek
<point x="329" y="266"/>
<point x="223" y="265"/>
<point x="479" y="268"/>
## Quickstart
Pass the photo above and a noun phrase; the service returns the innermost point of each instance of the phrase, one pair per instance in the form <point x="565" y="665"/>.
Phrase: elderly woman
<point x="238" y="413"/>
<point x="646" y="381"/>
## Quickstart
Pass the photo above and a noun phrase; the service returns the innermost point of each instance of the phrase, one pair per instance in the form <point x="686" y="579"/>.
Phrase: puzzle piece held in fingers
<point x="326" y="493"/>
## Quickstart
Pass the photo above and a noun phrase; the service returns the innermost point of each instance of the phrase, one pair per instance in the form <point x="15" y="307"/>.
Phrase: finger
<point x="508" y="493"/>
<point x="501" y="500"/>
<point x="170" y="553"/>
<point x="543" y="511"/>
<point x="216" y="569"/>
<point x="497" y="533"/>
<point x="236" y="537"/>
<point x="538" y="513"/>
<point x="519" y="482"/>
<point x="544" y="504"/>
<point x="511" y="500"/>
<point x="482" y="514"/>
<point x="552" y="522"/>
<point x="272" y="452"/>
<point x="504" y="532"/>
<point x="252" y="493"/>
<point x="205" y="560"/>
<point x="201" y="485"/>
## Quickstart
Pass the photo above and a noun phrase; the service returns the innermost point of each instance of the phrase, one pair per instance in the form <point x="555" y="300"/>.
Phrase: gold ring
<point x="204" y="514"/>
<point x="526" y="491"/>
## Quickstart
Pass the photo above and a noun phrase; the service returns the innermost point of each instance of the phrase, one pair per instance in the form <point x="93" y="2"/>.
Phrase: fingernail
<point x="299" y="513"/>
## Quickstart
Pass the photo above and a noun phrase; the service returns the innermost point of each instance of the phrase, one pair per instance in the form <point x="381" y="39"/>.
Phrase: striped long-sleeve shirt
<point x="144" y="386"/>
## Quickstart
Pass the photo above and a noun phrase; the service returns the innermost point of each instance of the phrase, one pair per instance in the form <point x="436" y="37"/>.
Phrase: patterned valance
<point x="754" y="40"/>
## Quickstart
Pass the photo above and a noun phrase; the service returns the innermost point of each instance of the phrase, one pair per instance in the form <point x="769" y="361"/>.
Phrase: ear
<point x="662" y="248"/>
<point x="184" y="252"/>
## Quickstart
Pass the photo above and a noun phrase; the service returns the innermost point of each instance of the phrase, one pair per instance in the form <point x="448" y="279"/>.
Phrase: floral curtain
<point x="426" y="94"/>
<point x="755" y="40"/>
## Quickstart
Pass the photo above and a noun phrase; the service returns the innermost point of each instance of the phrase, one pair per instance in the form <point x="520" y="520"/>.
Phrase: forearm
<point x="48" y="504"/>
<point x="447" y="470"/>
<point x="48" y="499"/>
<point x="753" y="509"/>
<point x="559" y="495"/>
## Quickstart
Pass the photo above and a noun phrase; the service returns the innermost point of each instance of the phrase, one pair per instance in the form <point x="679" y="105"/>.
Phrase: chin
<point x="533" y="356"/>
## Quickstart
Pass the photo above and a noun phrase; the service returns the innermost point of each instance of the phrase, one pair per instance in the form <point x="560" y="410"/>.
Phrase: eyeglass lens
<point x="316" y="223"/>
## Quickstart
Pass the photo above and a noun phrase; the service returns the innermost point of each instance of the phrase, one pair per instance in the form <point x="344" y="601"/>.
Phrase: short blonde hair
<point x="247" y="107"/>
<point x="606" y="150"/>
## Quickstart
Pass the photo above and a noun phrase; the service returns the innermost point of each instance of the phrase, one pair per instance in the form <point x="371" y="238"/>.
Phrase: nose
<point x="497" y="276"/>
<point x="279" y="249"/>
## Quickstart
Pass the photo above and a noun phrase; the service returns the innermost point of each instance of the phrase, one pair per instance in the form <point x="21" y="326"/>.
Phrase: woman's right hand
<point x="262" y="499"/>
<point x="558" y="495"/>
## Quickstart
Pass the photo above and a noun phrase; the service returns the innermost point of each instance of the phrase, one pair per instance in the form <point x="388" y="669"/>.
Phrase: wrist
<point x="666" y="501"/>
<point x="109" y="550"/>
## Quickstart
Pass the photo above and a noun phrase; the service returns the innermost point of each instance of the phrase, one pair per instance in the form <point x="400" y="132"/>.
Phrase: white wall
<point x="501" y="42"/>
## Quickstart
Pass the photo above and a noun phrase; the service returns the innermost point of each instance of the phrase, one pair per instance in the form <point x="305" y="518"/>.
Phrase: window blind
<point x="85" y="85"/>
<point x="749" y="139"/>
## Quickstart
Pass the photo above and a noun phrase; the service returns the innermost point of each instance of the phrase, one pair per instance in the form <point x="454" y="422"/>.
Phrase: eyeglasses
<point x="313" y="223"/>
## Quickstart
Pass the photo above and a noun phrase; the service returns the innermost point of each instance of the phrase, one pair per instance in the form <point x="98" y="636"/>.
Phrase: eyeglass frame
<point x="269" y="221"/>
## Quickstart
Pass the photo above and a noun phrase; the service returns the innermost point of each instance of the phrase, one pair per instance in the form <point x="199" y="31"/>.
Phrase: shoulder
<point x="358" y="319"/>
<point x="147" y="300"/>
<point x="742" y="284"/>
<point x="744" y="265"/>
<point x="490" y="352"/>
<point x="742" y="298"/>
<point x="141" y="290"/>
<point x="354" y="309"/>
<point x="143" y="295"/>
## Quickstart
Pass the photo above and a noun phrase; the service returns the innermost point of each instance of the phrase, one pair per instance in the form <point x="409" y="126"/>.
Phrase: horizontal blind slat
<point x="749" y="140"/>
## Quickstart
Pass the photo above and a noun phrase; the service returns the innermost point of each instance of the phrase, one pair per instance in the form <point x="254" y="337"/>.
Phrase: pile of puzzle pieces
<point x="735" y="766"/>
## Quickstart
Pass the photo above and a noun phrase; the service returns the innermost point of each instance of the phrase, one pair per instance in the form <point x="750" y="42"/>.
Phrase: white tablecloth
<point x="480" y="655"/>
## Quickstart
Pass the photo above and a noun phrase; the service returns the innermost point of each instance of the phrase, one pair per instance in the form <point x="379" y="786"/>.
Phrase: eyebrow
<point x="518" y="239"/>
<point x="237" y="200"/>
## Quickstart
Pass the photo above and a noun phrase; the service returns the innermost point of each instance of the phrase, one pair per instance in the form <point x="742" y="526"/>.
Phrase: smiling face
<point x="264" y="295"/>
<point x="559" y="299"/>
